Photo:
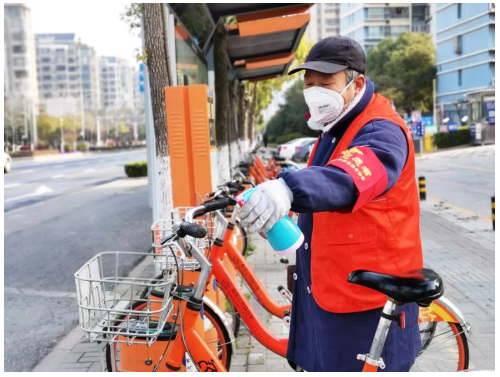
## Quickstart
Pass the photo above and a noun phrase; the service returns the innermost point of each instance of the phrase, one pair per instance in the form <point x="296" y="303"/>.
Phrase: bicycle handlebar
<point x="219" y="204"/>
<point x="192" y="230"/>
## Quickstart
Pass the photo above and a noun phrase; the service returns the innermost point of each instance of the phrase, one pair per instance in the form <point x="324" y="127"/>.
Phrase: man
<point x="359" y="209"/>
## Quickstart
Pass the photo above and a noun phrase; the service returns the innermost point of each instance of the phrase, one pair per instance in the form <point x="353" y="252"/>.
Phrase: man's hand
<point x="269" y="203"/>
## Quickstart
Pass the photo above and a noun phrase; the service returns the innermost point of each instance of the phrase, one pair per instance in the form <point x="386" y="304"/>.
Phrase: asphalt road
<point x="57" y="215"/>
<point x="464" y="179"/>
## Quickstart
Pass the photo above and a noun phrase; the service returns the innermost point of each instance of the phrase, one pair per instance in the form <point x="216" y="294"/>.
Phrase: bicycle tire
<point x="461" y="343"/>
<point x="225" y="351"/>
<point x="244" y="234"/>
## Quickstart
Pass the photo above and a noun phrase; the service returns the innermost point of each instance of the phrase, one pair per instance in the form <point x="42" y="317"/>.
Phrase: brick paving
<point x="462" y="252"/>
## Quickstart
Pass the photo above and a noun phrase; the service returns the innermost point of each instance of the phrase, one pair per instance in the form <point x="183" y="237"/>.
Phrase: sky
<point x="97" y="24"/>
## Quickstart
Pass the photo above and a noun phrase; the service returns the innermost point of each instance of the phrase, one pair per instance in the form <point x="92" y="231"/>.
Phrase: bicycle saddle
<point x="277" y="158"/>
<point x="420" y="286"/>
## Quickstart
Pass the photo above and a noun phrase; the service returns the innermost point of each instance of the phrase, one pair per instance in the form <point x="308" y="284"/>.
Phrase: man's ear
<point x="359" y="82"/>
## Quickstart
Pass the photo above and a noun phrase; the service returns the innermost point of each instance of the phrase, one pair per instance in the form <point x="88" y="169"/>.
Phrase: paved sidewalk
<point x="462" y="252"/>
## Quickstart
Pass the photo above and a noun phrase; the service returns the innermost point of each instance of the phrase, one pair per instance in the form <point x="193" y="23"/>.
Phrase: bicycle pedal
<point x="284" y="260"/>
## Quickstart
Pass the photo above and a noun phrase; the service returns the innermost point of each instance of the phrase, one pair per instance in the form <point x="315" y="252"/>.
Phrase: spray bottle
<point x="285" y="236"/>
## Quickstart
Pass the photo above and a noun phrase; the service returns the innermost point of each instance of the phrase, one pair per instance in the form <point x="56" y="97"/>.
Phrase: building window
<point x="459" y="10"/>
<point x="72" y="69"/>
<point x="492" y="6"/>
<point x="19" y="49"/>
<point x="47" y="77"/>
<point x="45" y="60"/>
<point x="60" y="68"/>
<point x="14" y="11"/>
<point x="46" y="68"/>
<point x="16" y="24"/>
<point x="21" y="74"/>
<point x="459" y="77"/>
<point x="458" y="44"/>
<point x="17" y="37"/>
<point x="372" y="13"/>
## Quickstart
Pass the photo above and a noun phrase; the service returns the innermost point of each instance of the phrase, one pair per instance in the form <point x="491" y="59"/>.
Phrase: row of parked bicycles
<point x="182" y="308"/>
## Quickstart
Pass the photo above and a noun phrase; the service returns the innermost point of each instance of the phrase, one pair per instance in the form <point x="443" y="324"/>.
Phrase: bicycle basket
<point x="114" y="306"/>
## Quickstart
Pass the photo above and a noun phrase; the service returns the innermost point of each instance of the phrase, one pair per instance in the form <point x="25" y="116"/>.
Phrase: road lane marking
<point x="11" y="185"/>
<point x="457" y="208"/>
<point x="57" y="176"/>
<point x="34" y="292"/>
<point x="461" y="166"/>
<point x="39" y="191"/>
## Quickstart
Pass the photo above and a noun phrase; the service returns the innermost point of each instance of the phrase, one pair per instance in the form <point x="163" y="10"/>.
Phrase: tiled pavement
<point x="460" y="249"/>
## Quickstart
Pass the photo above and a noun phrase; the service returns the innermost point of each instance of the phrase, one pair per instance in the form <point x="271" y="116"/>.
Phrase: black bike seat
<point x="420" y="286"/>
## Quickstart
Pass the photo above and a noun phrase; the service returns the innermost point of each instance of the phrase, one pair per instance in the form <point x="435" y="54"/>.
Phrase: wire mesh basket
<point x="163" y="228"/>
<point x="117" y="307"/>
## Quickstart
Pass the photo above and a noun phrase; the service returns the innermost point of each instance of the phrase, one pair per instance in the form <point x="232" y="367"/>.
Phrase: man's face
<point x="337" y="81"/>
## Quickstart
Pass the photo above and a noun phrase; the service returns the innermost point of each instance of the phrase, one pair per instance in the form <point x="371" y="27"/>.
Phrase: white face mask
<point x="324" y="105"/>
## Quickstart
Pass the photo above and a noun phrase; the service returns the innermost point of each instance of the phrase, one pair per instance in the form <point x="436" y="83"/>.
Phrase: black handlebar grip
<point x="219" y="204"/>
<point x="193" y="230"/>
<point x="247" y="182"/>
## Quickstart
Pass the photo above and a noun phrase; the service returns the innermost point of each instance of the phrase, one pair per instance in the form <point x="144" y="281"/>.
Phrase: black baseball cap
<point x="334" y="54"/>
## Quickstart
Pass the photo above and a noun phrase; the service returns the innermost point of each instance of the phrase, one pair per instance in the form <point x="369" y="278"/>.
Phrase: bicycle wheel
<point x="216" y="337"/>
<point x="444" y="348"/>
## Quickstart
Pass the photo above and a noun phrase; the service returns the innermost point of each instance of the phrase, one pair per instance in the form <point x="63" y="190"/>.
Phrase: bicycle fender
<point x="220" y="313"/>
<point x="442" y="310"/>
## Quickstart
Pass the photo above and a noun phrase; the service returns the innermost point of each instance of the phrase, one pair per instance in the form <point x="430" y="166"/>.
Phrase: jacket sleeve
<point x="333" y="187"/>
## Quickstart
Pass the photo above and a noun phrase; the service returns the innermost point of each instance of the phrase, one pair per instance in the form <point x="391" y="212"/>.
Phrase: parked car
<point x="7" y="162"/>
<point x="287" y="150"/>
<point x="303" y="151"/>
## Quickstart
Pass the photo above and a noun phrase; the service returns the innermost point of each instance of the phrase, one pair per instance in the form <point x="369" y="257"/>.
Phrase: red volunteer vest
<point x="380" y="234"/>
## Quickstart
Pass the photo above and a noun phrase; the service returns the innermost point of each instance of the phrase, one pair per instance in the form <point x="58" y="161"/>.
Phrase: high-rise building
<point x="20" y="76"/>
<point x="465" y="60"/>
<point x="325" y="21"/>
<point x="368" y="24"/>
<point x="67" y="68"/>
<point x="20" y="79"/>
<point x="116" y="83"/>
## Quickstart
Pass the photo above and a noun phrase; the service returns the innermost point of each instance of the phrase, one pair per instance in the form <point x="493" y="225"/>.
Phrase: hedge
<point x="136" y="169"/>
<point x="286" y="138"/>
<point x="82" y="146"/>
<point x="452" y="139"/>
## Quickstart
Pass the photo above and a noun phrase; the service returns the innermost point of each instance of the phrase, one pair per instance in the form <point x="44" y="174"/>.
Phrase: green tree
<point x="403" y="69"/>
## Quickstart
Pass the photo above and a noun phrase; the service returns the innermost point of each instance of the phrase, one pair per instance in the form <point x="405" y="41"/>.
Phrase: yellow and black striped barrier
<point x="493" y="211"/>
<point x="422" y="188"/>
